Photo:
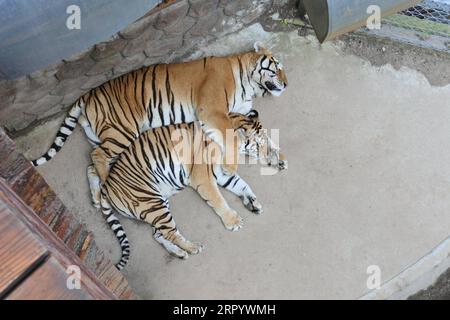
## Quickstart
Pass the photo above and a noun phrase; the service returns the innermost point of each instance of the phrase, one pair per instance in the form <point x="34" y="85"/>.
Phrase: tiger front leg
<point x="239" y="187"/>
<point x="231" y="153"/>
<point x="217" y="125"/>
<point x="222" y="133"/>
<point x="274" y="157"/>
<point x="206" y="187"/>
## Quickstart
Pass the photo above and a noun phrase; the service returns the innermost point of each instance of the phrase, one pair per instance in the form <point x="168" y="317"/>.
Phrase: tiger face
<point x="269" y="74"/>
<point x="256" y="143"/>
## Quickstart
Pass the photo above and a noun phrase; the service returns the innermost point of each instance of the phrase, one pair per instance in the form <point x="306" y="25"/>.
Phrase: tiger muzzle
<point x="270" y="86"/>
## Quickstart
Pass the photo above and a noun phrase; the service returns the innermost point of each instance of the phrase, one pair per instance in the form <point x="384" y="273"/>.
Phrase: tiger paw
<point x="253" y="205"/>
<point x="282" y="162"/>
<point x="194" y="247"/>
<point x="171" y="247"/>
<point x="179" y="253"/>
<point x="282" y="165"/>
<point x="232" y="221"/>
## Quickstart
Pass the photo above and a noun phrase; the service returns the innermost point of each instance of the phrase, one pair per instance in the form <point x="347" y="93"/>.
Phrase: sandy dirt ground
<point x="367" y="184"/>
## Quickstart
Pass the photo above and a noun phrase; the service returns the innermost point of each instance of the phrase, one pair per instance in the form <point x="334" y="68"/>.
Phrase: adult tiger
<point x="115" y="113"/>
<point x="164" y="161"/>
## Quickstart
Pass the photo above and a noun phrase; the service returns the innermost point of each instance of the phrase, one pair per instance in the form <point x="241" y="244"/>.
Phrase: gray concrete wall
<point x="166" y="34"/>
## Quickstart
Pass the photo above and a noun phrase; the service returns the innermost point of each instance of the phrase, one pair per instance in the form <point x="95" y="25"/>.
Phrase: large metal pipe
<point x="331" y="18"/>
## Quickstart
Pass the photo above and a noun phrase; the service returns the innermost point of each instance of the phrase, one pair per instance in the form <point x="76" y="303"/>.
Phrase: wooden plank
<point x="58" y="251"/>
<point x="48" y="282"/>
<point x="20" y="251"/>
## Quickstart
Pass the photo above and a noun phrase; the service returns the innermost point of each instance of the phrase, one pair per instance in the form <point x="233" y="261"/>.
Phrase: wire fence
<point x="428" y="17"/>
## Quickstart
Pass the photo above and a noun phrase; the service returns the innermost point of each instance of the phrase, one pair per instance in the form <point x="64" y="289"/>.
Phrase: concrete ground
<point x="367" y="184"/>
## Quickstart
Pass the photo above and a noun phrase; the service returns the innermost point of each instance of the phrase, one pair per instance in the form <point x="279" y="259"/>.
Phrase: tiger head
<point x="268" y="73"/>
<point x="256" y="143"/>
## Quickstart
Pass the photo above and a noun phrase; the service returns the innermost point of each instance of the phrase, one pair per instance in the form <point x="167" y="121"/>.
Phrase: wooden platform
<point x="40" y="238"/>
<point x="35" y="263"/>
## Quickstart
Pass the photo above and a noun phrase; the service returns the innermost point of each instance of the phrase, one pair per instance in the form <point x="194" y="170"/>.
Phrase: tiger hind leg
<point x="239" y="187"/>
<point x="166" y="232"/>
<point x="94" y="185"/>
<point x="106" y="153"/>
<point x="92" y="137"/>
<point x="101" y="160"/>
<point x="169" y="246"/>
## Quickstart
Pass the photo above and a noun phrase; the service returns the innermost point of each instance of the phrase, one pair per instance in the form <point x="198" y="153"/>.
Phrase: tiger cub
<point x="115" y="113"/>
<point x="154" y="167"/>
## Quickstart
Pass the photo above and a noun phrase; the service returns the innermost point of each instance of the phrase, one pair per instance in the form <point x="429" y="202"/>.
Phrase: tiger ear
<point x="253" y="114"/>
<point x="259" y="48"/>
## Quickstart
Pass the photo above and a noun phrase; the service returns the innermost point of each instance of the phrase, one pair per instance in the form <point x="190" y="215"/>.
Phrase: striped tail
<point x="115" y="225"/>
<point x="66" y="129"/>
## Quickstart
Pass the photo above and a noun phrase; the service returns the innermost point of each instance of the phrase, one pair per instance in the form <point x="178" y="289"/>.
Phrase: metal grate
<point x="429" y="17"/>
<point x="430" y="10"/>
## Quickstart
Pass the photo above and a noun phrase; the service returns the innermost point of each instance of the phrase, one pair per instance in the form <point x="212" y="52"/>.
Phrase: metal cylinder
<point x="331" y="18"/>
